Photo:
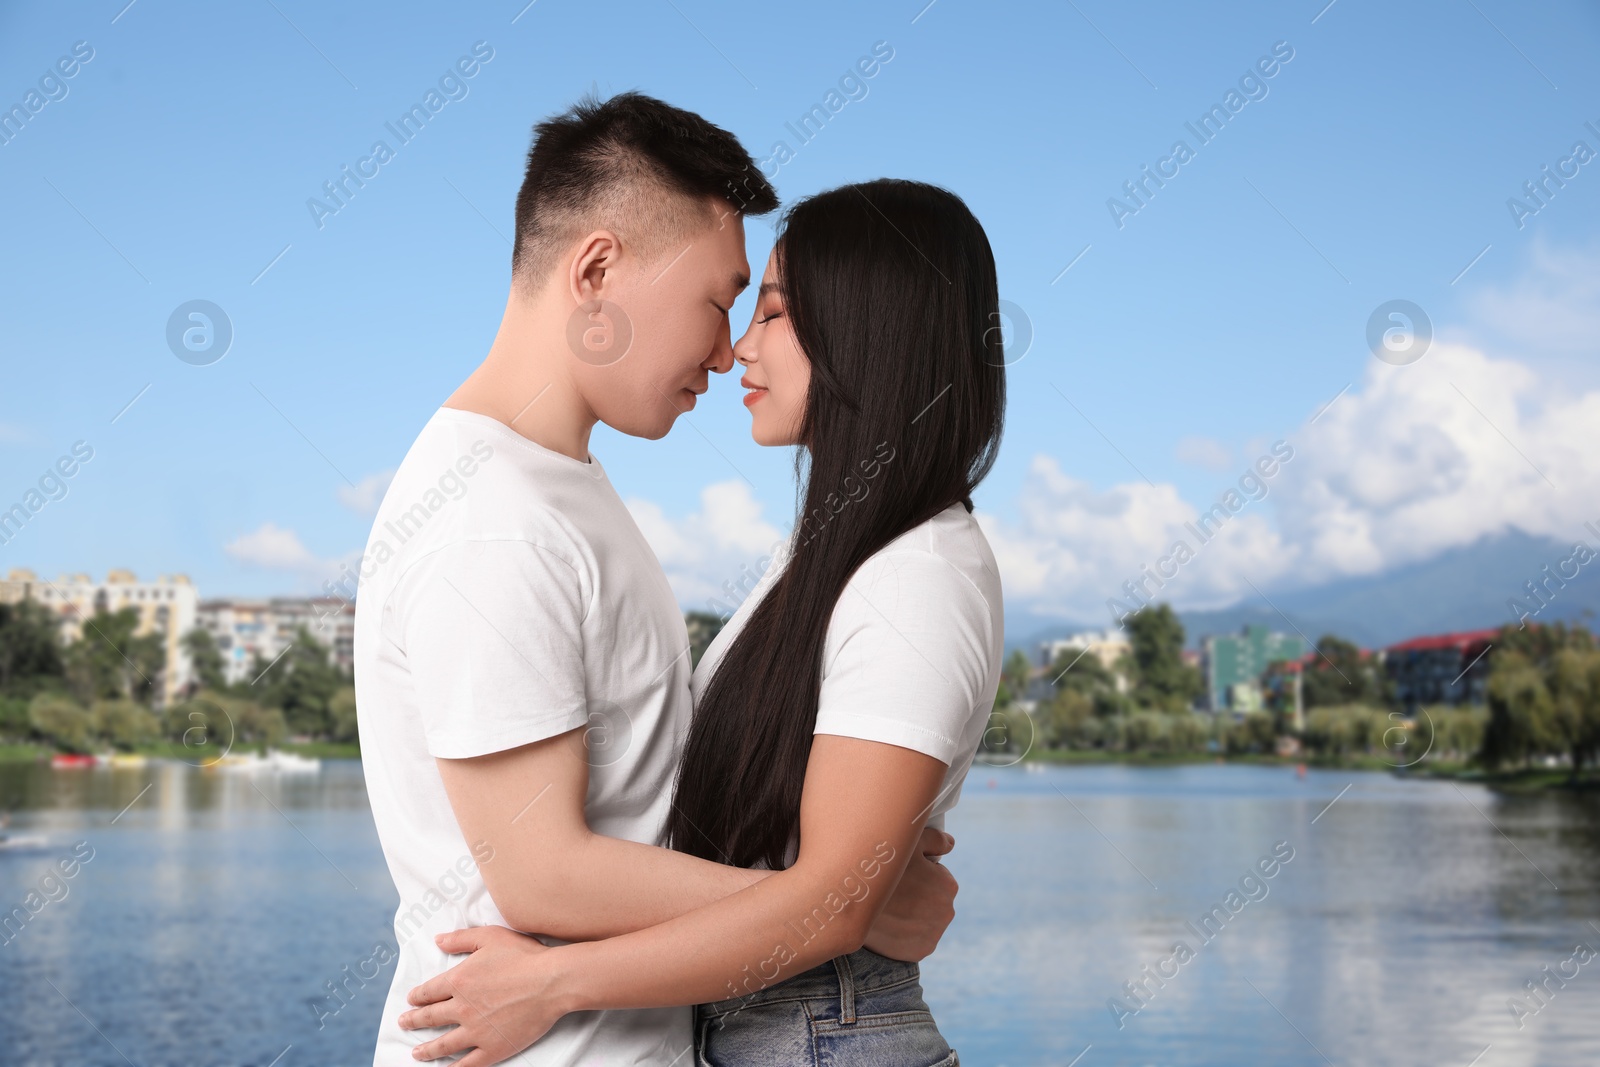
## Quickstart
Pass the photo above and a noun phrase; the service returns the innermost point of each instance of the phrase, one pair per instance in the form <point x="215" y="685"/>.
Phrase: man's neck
<point x="523" y="383"/>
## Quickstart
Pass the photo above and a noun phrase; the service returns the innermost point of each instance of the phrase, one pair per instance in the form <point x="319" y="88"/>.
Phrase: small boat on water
<point x="23" y="842"/>
<point x="72" y="761"/>
<point x="275" y="762"/>
<point x="129" y="760"/>
<point x="289" y="763"/>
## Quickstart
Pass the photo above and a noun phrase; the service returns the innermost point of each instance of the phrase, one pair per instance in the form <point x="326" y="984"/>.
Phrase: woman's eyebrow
<point x="766" y="287"/>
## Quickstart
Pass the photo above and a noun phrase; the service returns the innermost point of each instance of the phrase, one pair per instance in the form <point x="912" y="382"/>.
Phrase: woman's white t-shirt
<point x="913" y="651"/>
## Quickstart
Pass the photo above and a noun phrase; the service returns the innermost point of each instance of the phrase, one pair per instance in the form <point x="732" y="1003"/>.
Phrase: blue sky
<point x="1222" y="316"/>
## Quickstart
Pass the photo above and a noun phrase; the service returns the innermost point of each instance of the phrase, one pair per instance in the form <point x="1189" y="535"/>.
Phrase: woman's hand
<point x="924" y="903"/>
<point x="500" y="999"/>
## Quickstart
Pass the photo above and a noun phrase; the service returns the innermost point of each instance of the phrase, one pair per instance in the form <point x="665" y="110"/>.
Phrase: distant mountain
<point x="1461" y="589"/>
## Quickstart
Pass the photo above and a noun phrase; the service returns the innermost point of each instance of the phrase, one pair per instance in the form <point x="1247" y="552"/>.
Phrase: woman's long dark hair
<point x="890" y="289"/>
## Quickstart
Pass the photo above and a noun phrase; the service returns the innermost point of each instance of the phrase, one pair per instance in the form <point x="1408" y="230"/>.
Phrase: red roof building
<point x="1448" y="668"/>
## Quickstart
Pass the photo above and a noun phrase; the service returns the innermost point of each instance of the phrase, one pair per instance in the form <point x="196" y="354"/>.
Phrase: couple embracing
<point x="729" y="863"/>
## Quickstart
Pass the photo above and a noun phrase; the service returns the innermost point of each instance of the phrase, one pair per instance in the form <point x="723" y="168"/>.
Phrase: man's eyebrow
<point x="740" y="282"/>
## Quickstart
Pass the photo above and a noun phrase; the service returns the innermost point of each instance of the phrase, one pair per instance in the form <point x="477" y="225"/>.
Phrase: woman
<point x="839" y="710"/>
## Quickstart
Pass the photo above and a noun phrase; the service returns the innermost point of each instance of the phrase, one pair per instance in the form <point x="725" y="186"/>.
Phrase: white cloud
<point x="1438" y="454"/>
<point x="1409" y="462"/>
<point x="1552" y="308"/>
<point x="364" y="497"/>
<point x="1073" y="547"/>
<point x="273" y="547"/>
<point x="720" y="543"/>
<point x="1204" y="452"/>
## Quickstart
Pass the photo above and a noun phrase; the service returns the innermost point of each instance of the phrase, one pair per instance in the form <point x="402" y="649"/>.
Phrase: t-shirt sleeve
<point x="492" y="633"/>
<point x="907" y="656"/>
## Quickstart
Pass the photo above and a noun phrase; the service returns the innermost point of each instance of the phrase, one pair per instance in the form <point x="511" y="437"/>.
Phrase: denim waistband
<point x="861" y="971"/>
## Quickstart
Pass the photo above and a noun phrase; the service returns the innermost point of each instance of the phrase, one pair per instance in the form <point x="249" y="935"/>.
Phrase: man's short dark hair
<point x="632" y="164"/>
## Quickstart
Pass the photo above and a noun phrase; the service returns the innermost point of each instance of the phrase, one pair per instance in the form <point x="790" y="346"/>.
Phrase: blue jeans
<point x="862" y="1009"/>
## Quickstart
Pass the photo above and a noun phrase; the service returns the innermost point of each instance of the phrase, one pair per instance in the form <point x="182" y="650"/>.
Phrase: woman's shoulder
<point x="948" y="552"/>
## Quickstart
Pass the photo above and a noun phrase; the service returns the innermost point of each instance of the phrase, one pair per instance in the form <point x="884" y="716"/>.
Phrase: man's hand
<point x="500" y="999"/>
<point x="915" y="918"/>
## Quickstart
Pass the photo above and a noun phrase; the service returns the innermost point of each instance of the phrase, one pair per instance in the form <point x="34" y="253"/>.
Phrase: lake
<point x="206" y="911"/>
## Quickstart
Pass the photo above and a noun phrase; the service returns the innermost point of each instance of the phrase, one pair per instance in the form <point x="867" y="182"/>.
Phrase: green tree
<point x="302" y="682"/>
<point x="1083" y="673"/>
<point x="1442" y="732"/>
<point x="211" y="723"/>
<point x="210" y="669"/>
<point x="342" y="709"/>
<point x="30" y="649"/>
<point x="57" y="719"/>
<point x="1068" y="721"/>
<point x="1014" y="676"/>
<point x="703" y="628"/>
<point x="258" y="725"/>
<point x="1520" y="712"/>
<point x="111" y="660"/>
<point x="1148" y="731"/>
<point x="1160" y="678"/>
<point x="123" y="723"/>
<point x="1572" y="677"/>
<point x="1255" y="732"/>
<point x="1340" y="675"/>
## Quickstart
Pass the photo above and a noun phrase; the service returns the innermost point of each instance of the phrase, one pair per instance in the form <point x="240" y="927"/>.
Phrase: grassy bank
<point x="1525" y="780"/>
<point x="1529" y="780"/>
<point x="1076" y="756"/>
<point x="32" y="753"/>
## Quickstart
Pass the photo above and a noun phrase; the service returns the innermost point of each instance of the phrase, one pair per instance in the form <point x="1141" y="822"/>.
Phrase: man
<point x="522" y="667"/>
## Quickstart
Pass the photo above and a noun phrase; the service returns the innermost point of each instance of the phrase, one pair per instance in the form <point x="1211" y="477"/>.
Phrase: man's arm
<point x="492" y="633"/>
<point x="860" y="818"/>
<point x="550" y="873"/>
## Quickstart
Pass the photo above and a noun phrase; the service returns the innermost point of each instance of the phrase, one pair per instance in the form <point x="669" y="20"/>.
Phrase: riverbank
<point x="31" y="753"/>
<point x="1074" y="756"/>
<point x="1530" y="779"/>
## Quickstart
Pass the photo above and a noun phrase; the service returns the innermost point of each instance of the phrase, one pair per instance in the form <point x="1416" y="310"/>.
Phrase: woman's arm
<point x="861" y="814"/>
<point x="550" y="873"/>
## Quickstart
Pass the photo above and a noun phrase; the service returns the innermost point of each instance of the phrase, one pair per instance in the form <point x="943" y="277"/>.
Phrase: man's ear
<point x="596" y="254"/>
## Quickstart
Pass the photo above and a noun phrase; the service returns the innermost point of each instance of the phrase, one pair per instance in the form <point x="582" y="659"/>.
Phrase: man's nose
<point x="721" y="358"/>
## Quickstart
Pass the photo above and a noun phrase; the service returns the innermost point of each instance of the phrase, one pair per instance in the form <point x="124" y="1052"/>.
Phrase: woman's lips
<point x="753" y="395"/>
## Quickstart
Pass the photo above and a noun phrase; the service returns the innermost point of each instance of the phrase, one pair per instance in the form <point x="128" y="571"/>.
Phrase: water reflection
<point x="1395" y="936"/>
<point x="217" y="906"/>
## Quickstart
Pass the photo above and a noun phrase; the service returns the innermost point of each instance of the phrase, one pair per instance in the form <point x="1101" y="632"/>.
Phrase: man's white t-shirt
<point x="914" y="646"/>
<point x="507" y="596"/>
